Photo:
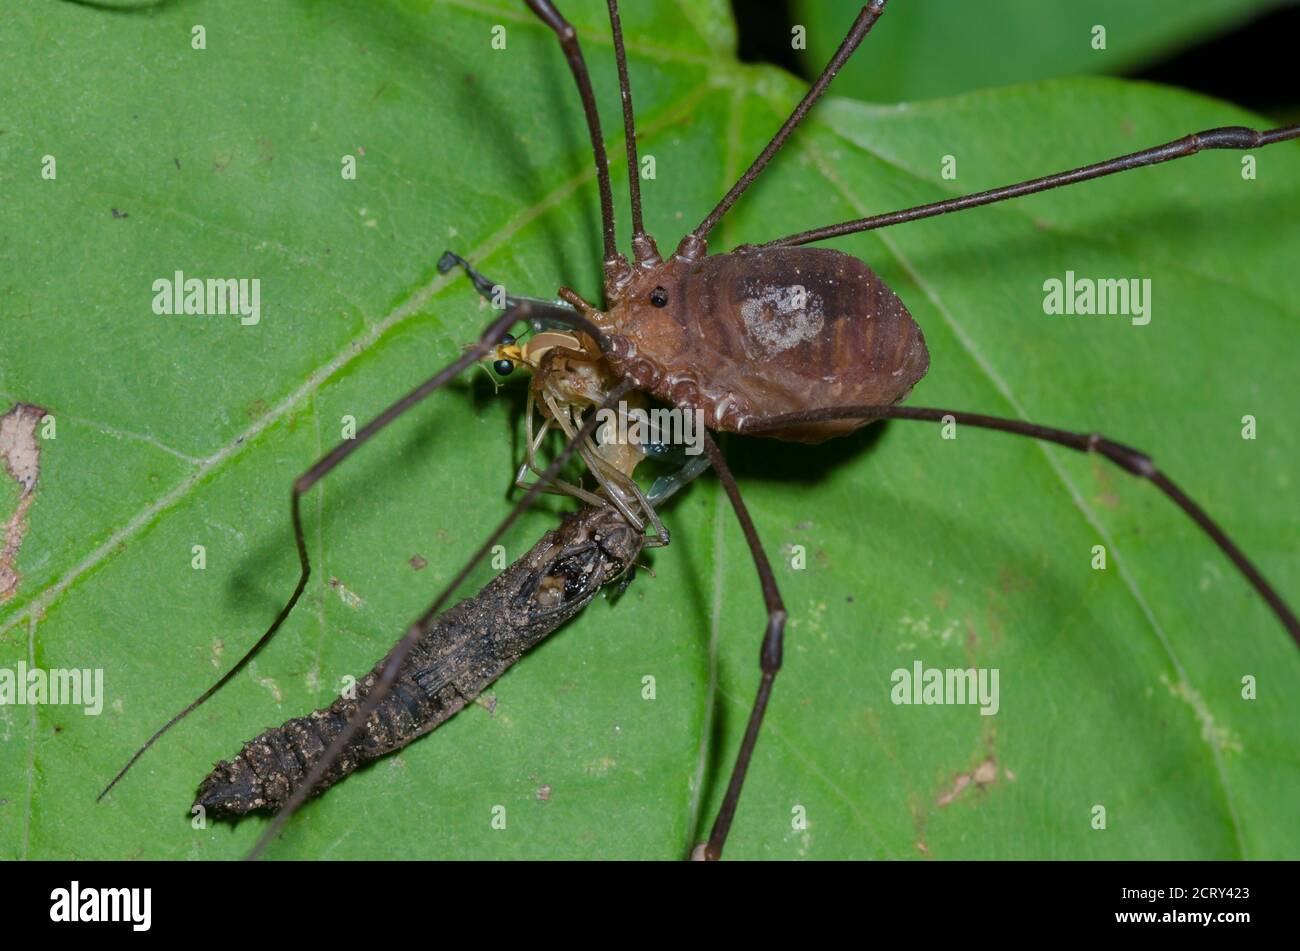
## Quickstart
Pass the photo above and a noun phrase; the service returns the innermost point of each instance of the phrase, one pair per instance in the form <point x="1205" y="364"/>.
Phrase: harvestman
<point x="704" y="333"/>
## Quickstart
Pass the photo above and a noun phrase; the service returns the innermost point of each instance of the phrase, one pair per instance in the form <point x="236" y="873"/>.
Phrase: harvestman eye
<point x="659" y="297"/>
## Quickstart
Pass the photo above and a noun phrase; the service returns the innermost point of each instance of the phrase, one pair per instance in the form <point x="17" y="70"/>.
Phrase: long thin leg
<point x="568" y="38"/>
<point x="1127" y="458"/>
<point x="326" y="464"/>
<point x="485" y="286"/>
<point x="394" y="659"/>
<point x="693" y="245"/>
<point x="643" y="246"/>
<point x="545" y="312"/>
<point x="769" y="658"/>
<point x="1229" y="137"/>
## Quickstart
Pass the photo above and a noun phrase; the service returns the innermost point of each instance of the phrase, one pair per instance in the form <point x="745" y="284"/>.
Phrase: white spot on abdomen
<point x="780" y="317"/>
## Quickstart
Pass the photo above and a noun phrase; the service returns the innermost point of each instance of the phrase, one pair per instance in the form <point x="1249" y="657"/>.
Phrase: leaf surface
<point x="1120" y="687"/>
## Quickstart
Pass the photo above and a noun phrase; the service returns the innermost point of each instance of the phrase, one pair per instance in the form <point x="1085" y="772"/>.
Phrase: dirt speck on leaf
<point x="985" y="774"/>
<point x="346" y="596"/>
<point x="22" y="458"/>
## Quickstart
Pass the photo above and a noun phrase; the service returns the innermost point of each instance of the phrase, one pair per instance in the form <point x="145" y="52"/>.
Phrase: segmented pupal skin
<point x="463" y="651"/>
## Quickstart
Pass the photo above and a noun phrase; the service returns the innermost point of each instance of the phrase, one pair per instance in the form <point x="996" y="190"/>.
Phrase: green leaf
<point x="942" y="47"/>
<point x="1119" y="687"/>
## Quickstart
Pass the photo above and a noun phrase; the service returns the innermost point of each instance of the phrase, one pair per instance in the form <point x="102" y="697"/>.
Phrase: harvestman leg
<point x="517" y="311"/>
<point x="769" y="657"/>
<point x="487" y="287"/>
<point x="327" y="463"/>
<point x="613" y="263"/>
<point x="1127" y="458"/>
<point x="568" y="38"/>
<point x="693" y="246"/>
<point x="643" y="246"/>
<point x="393" y="660"/>
<point x="1228" y="137"/>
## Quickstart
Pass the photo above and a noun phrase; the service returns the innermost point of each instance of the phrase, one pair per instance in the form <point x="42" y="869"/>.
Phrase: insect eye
<point x="659" y="297"/>
<point x="504" y="367"/>
<point x="507" y="339"/>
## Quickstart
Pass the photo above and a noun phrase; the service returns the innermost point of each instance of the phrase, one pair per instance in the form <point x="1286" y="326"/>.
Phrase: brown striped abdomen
<point x="760" y="332"/>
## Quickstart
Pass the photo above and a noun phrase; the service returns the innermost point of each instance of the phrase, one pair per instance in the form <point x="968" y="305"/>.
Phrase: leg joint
<point x="1126" y="457"/>
<point x="1228" y="137"/>
<point x="770" y="656"/>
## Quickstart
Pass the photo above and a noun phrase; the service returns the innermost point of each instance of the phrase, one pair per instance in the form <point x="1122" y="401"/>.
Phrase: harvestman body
<point x="796" y="343"/>
<point x="759" y="332"/>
